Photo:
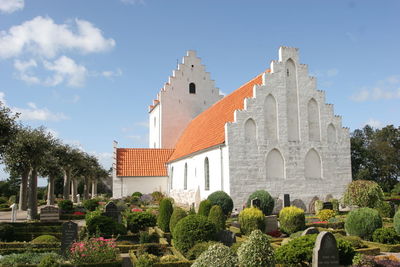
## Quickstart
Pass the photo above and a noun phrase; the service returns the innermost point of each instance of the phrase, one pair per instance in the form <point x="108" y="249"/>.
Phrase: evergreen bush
<point x="192" y="230"/>
<point x="363" y="193"/>
<point x="386" y="235"/>
<point x="216" y="255"/>
<point x="318" y="206"/>
<point x="325" y="215"/>
<point x="138" y="221"/>
<point x="176" y="216"/>
<point x="137" y="194"/>
<point x="256" y="251"/>
<point x="267" y="202"/>
<point x="105" y="226"/>
<point x="66" y="206"/>
<point x="145" y="237"/>
<point x="363" y="222"/>
<point x="6" y="232"/>
<point x="291" y="219"/>
<point x="251" y="219"/>
<point x="204" y="207"/>
<point x="386" y="209"/>
<point x="91" y="204"/>
<point x="197" y="249"/>
<point x="223" y="200"/>
<point x="51" y="260"/>
<point x="45" y="239"/>
<point x="164" y="214"/>
<point x="335" y="204"/>
<point x="217" y="217"/>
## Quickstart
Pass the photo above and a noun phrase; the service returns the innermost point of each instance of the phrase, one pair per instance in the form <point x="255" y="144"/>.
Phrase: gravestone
<point x="14" y="208"/>
<point x="271" y="223"/>
<point x="69" y="235"/>
<point x="78" y="197"/>
<point x="49" y="214"/>
<point x="310" y="231"/>
<point x="286" y="200"/>
<point x="327" y="206"/>
<point x="111" y="210"/>
<point x="325" y="252"/>
<point x="226" y="237"/>
<point x="256" y="203"/>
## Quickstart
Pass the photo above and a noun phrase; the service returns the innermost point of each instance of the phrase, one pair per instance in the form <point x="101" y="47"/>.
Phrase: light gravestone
<point x="286" y="200"/>
<point x="111" y="210"/>
<point x="310" y="231"/>
<point x="49" y="214"/>
<point x="78" y="197"/>
<point x="325" y="252"/>
<point x="69" y="235"/>
<point x="14" y="208"/>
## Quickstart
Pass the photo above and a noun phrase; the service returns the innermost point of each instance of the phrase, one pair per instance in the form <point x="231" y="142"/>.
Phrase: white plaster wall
<point x="155" y="128"/>
<point x="128" y="185"/>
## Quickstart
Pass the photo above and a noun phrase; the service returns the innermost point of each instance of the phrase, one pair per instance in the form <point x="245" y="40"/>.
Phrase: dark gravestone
<point x="112" y="211"/>
<point x="256" y="203"/>
<point x="49" y="214"/>
<point x="286" y="200"/>
<point x="226" y="237"/>
<point x="69" y="235"/>
<point x="327" y="206"/>
<point x="310" y="231"/>
<point x="325" y="252"/>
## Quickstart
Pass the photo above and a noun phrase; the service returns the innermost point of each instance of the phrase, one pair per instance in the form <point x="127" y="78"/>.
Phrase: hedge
<point x="334" y="225"/>
<point x="7" y="251"/>
<point x="383" y="247"/>
<point x="104" y="264"/>
<point x="183" y="263"/>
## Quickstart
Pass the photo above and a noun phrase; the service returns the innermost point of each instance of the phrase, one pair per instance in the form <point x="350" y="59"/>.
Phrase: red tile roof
<point x="142" y="161"/>
<point x="208" y="128"/>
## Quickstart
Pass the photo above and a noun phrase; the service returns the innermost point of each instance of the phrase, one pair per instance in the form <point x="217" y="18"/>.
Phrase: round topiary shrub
<point x="386" y="209"/>
<point x="363" y="193"/>
<point x="223" y="200"/>
<point x="137" y="194"/>
<point x="66" y="206"/>
<point x="6" y="232"/>
<point x="267" y="202"/>
<point x="216" y="255"/>
<point x="363" y="222"/>
<point x="164" y="214"/>
<point x="91" y="204"/>
<point x="325" y="215"/>
<point x="217" y="217"/>
<point x="204" y="207"/>
<point x="138" y="221"/>
<point x="386" y="236"/>
<point x="197" y="249"/>
<point x="292" y="219"/>
<point x="251" y="219"/>
<point x="256" y="251"/>
<point x="104" y="225"/>
<point x="192" y="230"/>
<point x="176" y="216"/>
<point x="45" y="239"/>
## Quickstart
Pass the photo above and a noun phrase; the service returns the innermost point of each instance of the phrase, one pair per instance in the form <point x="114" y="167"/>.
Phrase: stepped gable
<point x="208" y="128"/>
<point x="142" y="161"/>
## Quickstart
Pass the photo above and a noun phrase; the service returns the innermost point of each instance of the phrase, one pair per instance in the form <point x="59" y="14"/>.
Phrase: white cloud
<point x="25" y="71"/>
<point x="374" y="123"/>
<point x="52" y="132"/>
<point x="110" y="74"/>
<point x="65" y="68"/>
<point x="332" y="72"/>
<point x="388" y="88"/>
<point x="10" y="6"/>
<point x="133" y="2"/>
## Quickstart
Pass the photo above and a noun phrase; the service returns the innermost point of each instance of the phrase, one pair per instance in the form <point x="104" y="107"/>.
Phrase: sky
<point x="88" y="70"/>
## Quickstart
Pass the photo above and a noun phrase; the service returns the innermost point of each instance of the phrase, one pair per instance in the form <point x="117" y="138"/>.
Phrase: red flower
<point x="136" y="210"/>
<point x="79" y="213"/>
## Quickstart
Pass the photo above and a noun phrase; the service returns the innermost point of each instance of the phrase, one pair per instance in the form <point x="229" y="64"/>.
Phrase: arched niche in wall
<point x="206" y="174"/>
<point x="292" y="108"/>
<point x="313" y="120"/>
<point x="271" y="118"/>
<point x="312" y="164"/>
<point x="171" y="185"/>
<point x="331" y="132"/>
<point x="185" y="177"/>
<point x="250" y="131"/>
<point x="275" y="165"/>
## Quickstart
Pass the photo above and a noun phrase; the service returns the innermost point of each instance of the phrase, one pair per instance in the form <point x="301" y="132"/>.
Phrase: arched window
<point x="155" y="122"/>
<point x="275" y="165"/>
<point x="250" y="131"/>
<point x="312" y="165"/>
<point x="185" y="178"/>
<point x="331" y="134"/>
<point x="271" y="118"/>
<point x="172" y="178"/>
<point x="291" y="101"/>
<point x="192" y="88"/>
<point x="206" y="174"/>
<point x="313" y="120"/>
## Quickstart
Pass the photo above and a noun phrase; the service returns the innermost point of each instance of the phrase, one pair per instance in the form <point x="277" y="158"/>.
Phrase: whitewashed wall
<point x="125" y="186"/>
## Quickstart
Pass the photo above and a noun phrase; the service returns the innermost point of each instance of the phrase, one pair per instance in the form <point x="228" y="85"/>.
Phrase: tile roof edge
<point x="196" y="152"/>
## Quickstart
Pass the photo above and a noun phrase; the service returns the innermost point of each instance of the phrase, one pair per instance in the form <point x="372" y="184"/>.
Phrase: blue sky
<point x="87" y="70"/>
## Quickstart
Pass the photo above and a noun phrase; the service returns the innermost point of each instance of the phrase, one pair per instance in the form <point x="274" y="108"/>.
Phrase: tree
<point x="52" y="169"/>
<point x="8" y="128"/>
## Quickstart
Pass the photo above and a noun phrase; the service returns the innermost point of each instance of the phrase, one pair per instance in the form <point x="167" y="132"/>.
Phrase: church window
<point x="287" y="72"/>
<point x="172" y="178"/>
<point x="313" y="120"/>
<point x="331" y="134"/>
<point x="275" y="165"/>
<point x="271" y="118"/>
<point x="206" y="174"/>
<point x="185" y="177"/>
<point x="312" y="164"/>
<point x="250" y="131"/>
<point x="192" y="88"/>
<point x="292" y="108"/>
<point x="155" y="122"/>
<point x="192" y="66"/>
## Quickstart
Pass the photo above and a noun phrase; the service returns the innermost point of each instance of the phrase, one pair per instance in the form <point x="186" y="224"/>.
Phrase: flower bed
<point x="94" y="250"/>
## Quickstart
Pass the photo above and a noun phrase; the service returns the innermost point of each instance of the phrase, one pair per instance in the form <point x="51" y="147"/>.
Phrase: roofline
<point x="196" y="152"/>
<point x="121" y="176"/>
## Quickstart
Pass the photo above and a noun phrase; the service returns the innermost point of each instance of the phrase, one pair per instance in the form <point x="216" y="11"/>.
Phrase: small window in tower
<point x="192" y="66"/>
<point x="155" y="122"/>
<point x="192" y="88"/>
<point x="287" y="72"/>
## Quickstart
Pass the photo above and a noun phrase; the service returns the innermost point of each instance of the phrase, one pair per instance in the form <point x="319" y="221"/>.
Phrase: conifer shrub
<point x="363" y="193"/>
<point x="197" y="249"/>
<point x="192" y="230"/>
<point x="216" y="255"/>
<point x="386" y="235"/>
<point x="256" y="251"/>
<point x="45" y="239"/>
<point x="145" y="237"/>
<point x="363" y="222"/>
<point x="105" y="226"/>
<point x="138" y="221"/>
<point x="66" y="206"/>
<point x="251" y="219"/>
<point x="386" y="209"/>
<point x="292" y="219"/>
<point x="325" y="215"/>
<point x="223" y="200"/>
<point x="176" y="216"/>
<point x="267" y="202"/>
<point x="204" y="207"/>
<point x="137" y="194"/>
<point x="164" y="214"/>
<point x="217" y="217"/>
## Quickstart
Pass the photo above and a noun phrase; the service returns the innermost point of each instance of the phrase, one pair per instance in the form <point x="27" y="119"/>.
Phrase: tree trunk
<point x="23" y="190"/>
<point x="67" y="183"/>
<point x="32" y="196"/>
<point x="94" y="188"/>
<point x="74" y="190"/>
<point x="86" y="188"/>
<point x="50" y="191"/>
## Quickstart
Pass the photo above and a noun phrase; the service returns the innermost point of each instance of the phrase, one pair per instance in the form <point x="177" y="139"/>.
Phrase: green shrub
<point x="325" y="215"/>
<point x="4" y="206"/>
<point x="386" y="209"/>
<point x="318" y="206"/>
<point x="170" y="258"/>
<point x="363" y="193"/>
<point x="146" y="260"/>
<point x="256" y="251"/>
<point x="191" y="230"/>
<point x="346" y="252"/>
<point x="66" y="206"/>
<point x="396" y="222"/>
<point x="6" y="232"/>
<point x="12" y="199"/>
<point x="91" y="204"/>
<point x="164" y="215"/>
<point x="204" y="207"/>
<point x="176" y="216"/>
<point x="236" y="246"/>
<point x="145" y="237"/>
<point x="251" y="219"/>
<point x="291" y="219"/>
<point x="355" y="241"/>
<point x="157" y="196"/>
<point x="386" y="236"/>
<point x="223" y="200"/>
<point x="28" y="257"/>
<point x="217" y="217"/>
<point x="138" y="221"/>
<point x="363" y="222"/>
<point x="104" y="225"/>
<point x="194" y="252"/>
<point x="51" y="260"/>
<point x="216" y="255"/>
<point x="3" y="200"/>
<point x="396" y="189"/>
<point x="45" y="239"/>
<point x="267" y="202"/>
<point x="335" y="204"/>
<point x="137" y="194"/>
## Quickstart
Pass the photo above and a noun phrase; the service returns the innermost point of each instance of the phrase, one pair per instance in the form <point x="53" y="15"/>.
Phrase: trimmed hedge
<point x="105" y="226"/>
<point x="138" y="221"/>
<point x="204" y="207"/>
<point x="251" y="219"/>
<point x="291" y="219"/>
<point x="164" y="215"/>
<point x="267" y="202"/>
<point x="177" y="215"/>
<point x="217" y="217"/>
<point x="363" y="222"/>
<point x="223" y="200"/>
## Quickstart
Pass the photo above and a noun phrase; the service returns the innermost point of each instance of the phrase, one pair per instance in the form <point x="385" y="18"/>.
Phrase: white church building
<point x="275" y="132"/>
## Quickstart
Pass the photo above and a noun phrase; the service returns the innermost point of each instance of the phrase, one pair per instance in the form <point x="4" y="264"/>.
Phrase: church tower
<point x="188" y="92"/>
